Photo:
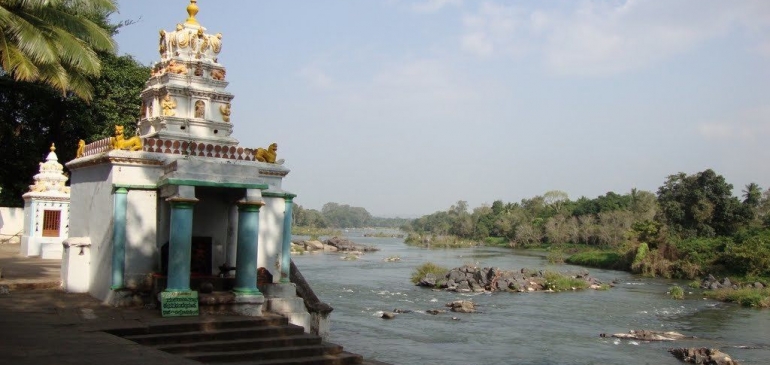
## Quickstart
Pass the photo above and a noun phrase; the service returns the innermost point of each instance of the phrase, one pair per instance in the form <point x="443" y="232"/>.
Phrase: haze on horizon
<point x="405" y="107"/>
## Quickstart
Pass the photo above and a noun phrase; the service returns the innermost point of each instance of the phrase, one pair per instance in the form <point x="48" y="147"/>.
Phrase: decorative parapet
<point x="97" y="147"/>
<point x="187" y="148"/>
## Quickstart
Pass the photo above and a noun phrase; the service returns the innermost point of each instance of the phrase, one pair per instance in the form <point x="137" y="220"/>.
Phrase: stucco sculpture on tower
<point x="119" y="141"/>
<point x="225" y="111"/>
<point x="200" y="109"/>
<point x="169" y="106"/>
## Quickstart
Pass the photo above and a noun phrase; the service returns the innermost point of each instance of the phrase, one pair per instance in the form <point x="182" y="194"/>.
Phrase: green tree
<point x="345" y="216"/>
<point x="32" y="116"/>
<point x="55" y="42"/>
<point x="752" y="195"/>
<point x="701" y="204"/>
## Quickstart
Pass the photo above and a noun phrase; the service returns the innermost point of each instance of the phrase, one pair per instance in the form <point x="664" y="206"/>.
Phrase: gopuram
<point x="181" y="207"/>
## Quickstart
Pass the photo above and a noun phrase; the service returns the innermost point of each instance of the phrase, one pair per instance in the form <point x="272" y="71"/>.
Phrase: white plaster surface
<point x="11" y="221"/>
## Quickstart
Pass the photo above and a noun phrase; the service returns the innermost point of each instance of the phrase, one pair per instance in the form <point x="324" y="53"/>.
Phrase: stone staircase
<point x="267" y="340"/>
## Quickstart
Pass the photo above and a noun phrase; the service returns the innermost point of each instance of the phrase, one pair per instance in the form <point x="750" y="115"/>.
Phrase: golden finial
<point x="53" y="148"/>
<point x="192" y="10"/>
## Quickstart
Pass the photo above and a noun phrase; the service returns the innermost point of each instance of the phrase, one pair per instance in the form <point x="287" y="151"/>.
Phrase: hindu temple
<point x="180" y="206"/>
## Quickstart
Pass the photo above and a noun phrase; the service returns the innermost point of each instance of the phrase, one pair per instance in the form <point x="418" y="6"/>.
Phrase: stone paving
<point x="42" y="325"/>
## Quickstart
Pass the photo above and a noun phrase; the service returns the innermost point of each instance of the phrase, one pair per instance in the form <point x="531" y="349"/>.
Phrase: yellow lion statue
<point x="268" y="155"/>
<point x="119" y="142"/>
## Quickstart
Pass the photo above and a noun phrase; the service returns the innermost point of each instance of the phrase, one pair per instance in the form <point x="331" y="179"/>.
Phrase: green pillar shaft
<point x="180" y="246"/>
<point x="286" y="243"/>
<point x="246" y="255"/>
<point x="119" y="237"/>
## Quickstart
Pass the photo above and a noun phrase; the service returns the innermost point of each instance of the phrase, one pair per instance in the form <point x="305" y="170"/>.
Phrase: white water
<point x="516" y="328"/>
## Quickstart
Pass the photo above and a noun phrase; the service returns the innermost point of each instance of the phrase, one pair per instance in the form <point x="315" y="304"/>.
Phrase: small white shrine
<point x="181" y="204"/>
<point x="46" y="211"/>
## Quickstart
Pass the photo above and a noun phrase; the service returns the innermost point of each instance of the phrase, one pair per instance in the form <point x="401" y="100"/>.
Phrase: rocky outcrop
<point x="645" y="335"/>
<point x="343" y="244"/>
<point x="704" y="356"/>
<point x="712" y="283"/>
<point x="474" y="279"/>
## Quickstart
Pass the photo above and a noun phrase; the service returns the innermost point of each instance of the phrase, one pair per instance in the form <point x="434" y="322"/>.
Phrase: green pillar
<point x="286" y="243"/>
<point x="180" y="244"/>
<point x="246" y="255"/>
<point x="119" y="238"/>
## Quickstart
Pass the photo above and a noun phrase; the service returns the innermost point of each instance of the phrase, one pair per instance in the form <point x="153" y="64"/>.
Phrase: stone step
<point x="343" y="358"/>
<point x="240" y="344"/>
<point x="184" y="325"/>
<point x="277" y="353"/>
<point x="215" y="335"/>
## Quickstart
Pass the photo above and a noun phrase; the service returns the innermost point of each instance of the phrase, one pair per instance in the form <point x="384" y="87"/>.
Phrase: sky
<point x="406" y="107"/>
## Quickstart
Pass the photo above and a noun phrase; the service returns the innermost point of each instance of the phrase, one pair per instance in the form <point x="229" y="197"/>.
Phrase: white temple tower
<point x="46" y="211"/>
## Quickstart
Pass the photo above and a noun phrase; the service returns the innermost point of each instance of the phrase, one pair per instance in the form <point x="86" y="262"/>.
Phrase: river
<point x="516" y="328"/>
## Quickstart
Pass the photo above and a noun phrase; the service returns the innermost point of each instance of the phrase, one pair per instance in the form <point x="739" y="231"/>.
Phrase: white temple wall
<point x="270" y="236"/>
<point x="136" y="174"/>
<point x="142" y="254"/>
<point x="92" y="201"/>
<point x="11" y="222"/>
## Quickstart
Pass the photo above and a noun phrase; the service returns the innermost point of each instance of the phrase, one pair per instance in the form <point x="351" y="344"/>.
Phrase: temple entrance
<point x="201" y="257"/>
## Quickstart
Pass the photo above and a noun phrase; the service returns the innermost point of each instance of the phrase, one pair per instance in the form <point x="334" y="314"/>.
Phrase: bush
<point x="676" y="292"/>
<point x="428" y="268"/>
<point x="750" y="257"/>
<point x="560" y="282"/>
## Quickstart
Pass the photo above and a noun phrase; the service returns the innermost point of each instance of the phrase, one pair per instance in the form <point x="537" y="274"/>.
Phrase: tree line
<point x="691" y="224"/>
<point x="334" y="215"/>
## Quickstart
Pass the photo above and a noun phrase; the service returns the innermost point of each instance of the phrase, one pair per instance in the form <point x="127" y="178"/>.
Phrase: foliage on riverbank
<point x="434" y="241"/>
<point x="315" y="232"/>
<point x="746" y="297"/>
<point x="693" y="226"/>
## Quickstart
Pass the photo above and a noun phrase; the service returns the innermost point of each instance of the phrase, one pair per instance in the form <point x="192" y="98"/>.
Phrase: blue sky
<point x="405" y="107"/>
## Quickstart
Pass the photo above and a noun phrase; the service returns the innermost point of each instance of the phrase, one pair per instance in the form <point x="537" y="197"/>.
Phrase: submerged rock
<point x="462" y="306"/>
<point x="646" y="335"/>
<point x="704" y="356"/>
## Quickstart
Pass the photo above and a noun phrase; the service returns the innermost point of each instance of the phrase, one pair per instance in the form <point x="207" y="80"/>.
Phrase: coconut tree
<point x="752" y="194"/>
<point x="54" y="41"/>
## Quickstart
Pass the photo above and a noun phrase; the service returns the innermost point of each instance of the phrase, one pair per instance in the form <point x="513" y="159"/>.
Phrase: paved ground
<point x="42" y="325"/>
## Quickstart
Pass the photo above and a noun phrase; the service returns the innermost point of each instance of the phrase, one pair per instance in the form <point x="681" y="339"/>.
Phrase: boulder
<point x="435" y="311"/>
<point x="758" y="285"/>
<point x="704" y="356"/>
<point x="462" y="306"/>
<point x="388" y="315"/>
<point x="314" y="245"/>
<point x="428" y="280"/>
<point x="343" y="244"/>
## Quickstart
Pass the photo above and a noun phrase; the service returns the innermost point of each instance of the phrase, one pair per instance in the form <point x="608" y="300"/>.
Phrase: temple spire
<point x="192" y="10"/>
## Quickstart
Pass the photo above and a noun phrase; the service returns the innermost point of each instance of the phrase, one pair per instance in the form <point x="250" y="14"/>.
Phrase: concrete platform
<point x="42" y="325"/>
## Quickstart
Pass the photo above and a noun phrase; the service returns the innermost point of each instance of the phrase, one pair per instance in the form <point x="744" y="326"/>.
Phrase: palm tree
<point x="54" y="42"/>
<point x="752" y="194"/>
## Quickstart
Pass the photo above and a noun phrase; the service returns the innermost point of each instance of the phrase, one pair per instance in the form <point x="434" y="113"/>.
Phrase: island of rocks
<point x="473" y="279"/>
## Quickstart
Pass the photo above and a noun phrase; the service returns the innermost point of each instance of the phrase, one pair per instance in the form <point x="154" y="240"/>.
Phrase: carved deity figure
<point x="176" y="68"/>
<point x="218" y="74"/>
<point x="268" y="155"/>
<point x="119" y="142"/>
<point x="81" y="149"/>
<point x="224" y="109"/>
<point x="169" y="106"/>
<point x="200" y="109"/>
<point x="162" y="48"/>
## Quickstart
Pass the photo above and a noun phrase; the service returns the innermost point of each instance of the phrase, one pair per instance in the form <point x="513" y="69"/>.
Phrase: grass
<point x="598" y="259"/>
<point x="676" y="292"/>
<point x="448" y="241"/>
<point x="746" y="297"/>
<point x="428" y="268"/>
<point x="560" y="282"/>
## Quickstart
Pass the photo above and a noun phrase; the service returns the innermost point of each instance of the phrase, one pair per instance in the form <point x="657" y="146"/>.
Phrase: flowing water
<point x="516" y="328"/>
